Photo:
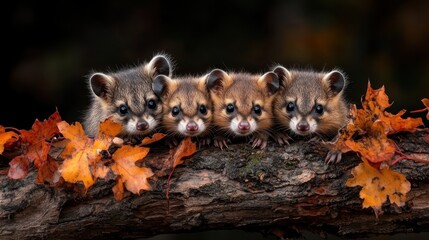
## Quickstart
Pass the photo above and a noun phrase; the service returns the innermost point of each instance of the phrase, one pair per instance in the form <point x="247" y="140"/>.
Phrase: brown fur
<point x="306" y="89"/>
<point x="188" y="94"/>
<point x="244" y="90"/>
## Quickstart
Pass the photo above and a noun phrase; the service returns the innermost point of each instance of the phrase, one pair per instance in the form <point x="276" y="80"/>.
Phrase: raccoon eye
<point x="175" y="111"/>
<point x="230" y="108"/>
<point x="203" y="109"/>
<point x="123" y="109"/>
<point x="290" y="107"/>
<point x="151" y="104"/>
<point x="257" y="110"/>
<point x="319" y="109"/>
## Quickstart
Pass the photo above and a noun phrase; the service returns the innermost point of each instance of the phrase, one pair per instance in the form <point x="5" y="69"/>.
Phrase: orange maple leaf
<point x="185" y="149"/>
<point x="378" y="185"/>
<point x="367" y="134"/>
<point x="134" y="177"/>
<point x="155" y="137"/>
<point x="35" y="146"/>
<point x="6" y="137"/>
<point x="375" y="146"/>
<point x="36" y="139"/>
<point x="77" y="154"/>
<point x="81" y="155"/>
<point x="368" y="129"/>
<point x="375" y="104"/>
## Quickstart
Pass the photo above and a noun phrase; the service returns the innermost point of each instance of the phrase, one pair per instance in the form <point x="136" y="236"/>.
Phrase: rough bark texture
<point x="287" y="188"/>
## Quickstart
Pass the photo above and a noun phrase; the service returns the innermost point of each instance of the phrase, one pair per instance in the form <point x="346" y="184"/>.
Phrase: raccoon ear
<point x="270" y="82"/>
<point x="216" y="80"/>
<point x="335" y="81"/>
<point x="101" y="84"/>
<point x="285" y="78"/>
<point x="160" y="64"/>
<point x="160" y="86"/>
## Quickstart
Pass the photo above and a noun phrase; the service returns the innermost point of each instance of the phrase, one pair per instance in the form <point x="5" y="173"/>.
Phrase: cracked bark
<point x="288" y="188"/>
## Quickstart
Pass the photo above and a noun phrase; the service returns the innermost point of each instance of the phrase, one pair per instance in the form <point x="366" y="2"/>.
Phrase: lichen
<point x="253" y="165"/>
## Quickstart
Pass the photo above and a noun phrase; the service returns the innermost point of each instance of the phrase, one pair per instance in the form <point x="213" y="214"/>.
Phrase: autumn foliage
<point x="83" y="160"/>
<point x="62" y="154"/>
<point x="367" y="134"/>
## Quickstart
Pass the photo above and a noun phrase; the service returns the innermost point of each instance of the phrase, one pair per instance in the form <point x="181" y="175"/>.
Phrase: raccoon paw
<point x="220" y="142"/>
<point x="333" y="157"/>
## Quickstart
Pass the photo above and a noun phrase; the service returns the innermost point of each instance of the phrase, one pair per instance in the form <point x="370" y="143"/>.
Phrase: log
<point x="282" y="189"/>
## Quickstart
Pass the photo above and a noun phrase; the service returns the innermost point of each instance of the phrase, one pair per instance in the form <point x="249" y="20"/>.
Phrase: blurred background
<point x="49" y="49"/>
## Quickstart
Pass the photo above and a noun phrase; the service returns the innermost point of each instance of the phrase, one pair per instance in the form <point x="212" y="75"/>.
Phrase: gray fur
<point x="131" y="86"/>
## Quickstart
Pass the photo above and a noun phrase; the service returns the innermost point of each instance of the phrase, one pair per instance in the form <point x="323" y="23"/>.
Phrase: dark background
<point x="48" y="49"/>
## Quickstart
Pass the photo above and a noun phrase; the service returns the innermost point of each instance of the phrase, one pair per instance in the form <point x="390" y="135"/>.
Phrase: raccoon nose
<point x="192" y="126"/>
<point x="244" y="126"/>
<point x="303" y="126"/>
<point x="142" y="125"/>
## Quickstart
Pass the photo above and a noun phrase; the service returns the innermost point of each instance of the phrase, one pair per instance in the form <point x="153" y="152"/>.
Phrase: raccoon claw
<point x="204" y="142"/>
<point x="283" y="139"/>
<point x="333" y="157"/>
<point x="220" y="143"/>
<point x="259" y="142"/>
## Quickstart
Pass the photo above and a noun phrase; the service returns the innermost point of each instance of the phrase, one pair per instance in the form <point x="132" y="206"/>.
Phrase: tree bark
<point x="288" y="188"/>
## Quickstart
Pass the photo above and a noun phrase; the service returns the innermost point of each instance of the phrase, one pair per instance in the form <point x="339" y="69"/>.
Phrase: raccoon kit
<point x="128" y="98"/>
<point x="187" y="108"/>
<point x="242" y="105"/>
<point x="309" y="103"/>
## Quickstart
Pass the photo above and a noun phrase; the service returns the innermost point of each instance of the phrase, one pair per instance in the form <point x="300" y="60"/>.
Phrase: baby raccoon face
<point x="242" y="118"/>
<point x="186" y="118"/>
<point x="187" y="110"/>
<point x="132" y="103"/>
<point x="242" y="101"/>
<point x="301" y="118"/>
<point x="127" y="97"/>
<point x="138" y="113"/>
<point x="310" y="102"/>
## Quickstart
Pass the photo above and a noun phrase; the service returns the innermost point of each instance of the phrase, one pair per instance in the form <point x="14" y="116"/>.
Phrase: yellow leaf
<point x="134" y="177"/>
<point x="110" y="128"/>
<point x="5" y="137"/>
<point x="76" y="154"/>
<point x="378" y="185"/>
<point x="81" y="155"/>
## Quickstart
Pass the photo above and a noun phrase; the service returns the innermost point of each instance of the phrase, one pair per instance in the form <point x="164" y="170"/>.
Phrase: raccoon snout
<point x="192" y="126"/>
<point x="303" y="126"/>
<point x="142" y="125"/>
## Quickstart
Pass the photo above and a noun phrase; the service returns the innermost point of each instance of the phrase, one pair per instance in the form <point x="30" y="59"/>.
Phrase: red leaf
<point x="48" y="172"/>
<point x="36" y="140"/>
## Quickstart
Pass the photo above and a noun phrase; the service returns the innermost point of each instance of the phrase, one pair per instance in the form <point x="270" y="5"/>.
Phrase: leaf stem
<point x="13" y="129"/>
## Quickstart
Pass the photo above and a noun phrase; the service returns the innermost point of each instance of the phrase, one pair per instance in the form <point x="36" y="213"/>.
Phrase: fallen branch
<point x="289" y="189"/>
